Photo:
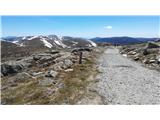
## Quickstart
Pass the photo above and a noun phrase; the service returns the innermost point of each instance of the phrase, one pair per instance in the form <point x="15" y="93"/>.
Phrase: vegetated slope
<point x="122" y="40"/>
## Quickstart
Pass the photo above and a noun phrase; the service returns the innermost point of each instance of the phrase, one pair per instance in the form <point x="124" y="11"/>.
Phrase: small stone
<point x="36" y="57"/>
<point x="125" y="55"/>
<point x="53" y="51"/>
<point x="51" y="73"/>
<point x="152" y="61"/>
<point x="37" y="73"/>
<point x="132" y="53"/>
<point x="136" y="58"/>
<point x="145" y="61"/>
<point x="68" y="70"/>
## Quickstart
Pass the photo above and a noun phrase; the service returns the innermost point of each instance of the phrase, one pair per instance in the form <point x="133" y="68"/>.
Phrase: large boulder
<point x="145" y="52"/>
<point x="67" y="63"/>
<point x="53" y="52"/>
<point x="10" y="69"/>
<point x="44" y="60"/>
<point x="22" y="77"/>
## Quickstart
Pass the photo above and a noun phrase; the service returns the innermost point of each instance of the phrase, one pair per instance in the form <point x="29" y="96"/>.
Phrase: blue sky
<point x="81" y="26"/>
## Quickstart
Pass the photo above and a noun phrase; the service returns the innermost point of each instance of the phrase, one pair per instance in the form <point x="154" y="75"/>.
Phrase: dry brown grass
<point x="73" y="89"/>
<point x="75" y="83"/>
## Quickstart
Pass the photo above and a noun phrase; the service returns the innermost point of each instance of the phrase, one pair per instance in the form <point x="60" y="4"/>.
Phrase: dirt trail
<point x="123" y="81"/>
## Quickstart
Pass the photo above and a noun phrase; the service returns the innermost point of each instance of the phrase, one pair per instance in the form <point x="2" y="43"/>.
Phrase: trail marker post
<point x="80" y="57"/>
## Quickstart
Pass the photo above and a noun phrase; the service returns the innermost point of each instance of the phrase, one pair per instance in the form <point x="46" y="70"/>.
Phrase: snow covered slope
<point x="53" y="41"/>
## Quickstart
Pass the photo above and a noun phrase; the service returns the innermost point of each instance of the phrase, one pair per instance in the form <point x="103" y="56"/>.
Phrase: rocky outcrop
<point x="44" y="60"/>
<point x="22" y="77"/>
<point x="40" y="60"/>
<point x="147" y="53"/>
<point x="10" y="69"/>
<point x="152" y="45"/>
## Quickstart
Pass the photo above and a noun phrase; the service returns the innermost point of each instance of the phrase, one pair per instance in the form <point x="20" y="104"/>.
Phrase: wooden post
<point x="80" y="57"/>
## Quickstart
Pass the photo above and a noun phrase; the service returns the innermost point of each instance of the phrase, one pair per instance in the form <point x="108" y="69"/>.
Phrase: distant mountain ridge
<point x="50" y="41"/>
<point x="123" y="40"/>
<point x="13" y="47"/>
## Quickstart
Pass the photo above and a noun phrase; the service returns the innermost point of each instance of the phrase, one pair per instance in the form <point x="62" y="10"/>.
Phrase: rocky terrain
<point x="46" y="75"/>
<point x="146" y="53"/>
<point x="47" y="70"/>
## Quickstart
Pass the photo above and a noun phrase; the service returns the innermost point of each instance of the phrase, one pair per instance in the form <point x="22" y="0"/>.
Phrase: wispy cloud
<point x="108" y="27"/>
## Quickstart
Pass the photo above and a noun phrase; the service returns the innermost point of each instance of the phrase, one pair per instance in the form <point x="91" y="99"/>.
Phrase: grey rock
<point x="51" y="73"/>
<point x="22" y="77"/>
<point x="37" y="73"/>
<point x="136" y="58"/>
<point x="10" y="69"/>
<point x="36" y="57"/>
<point x="53" y="52"/>
<point x="68" y="70"/>
<point x="58" y="66"/>
<point x="158" y="59"/>
<point x="152" y="61"/>
<point x="45" y="60"/>
<point x="67" y="63"/>
<point x="132" y="53"/>
<point x="145" y="52"/>
<point x="146" y="61"/>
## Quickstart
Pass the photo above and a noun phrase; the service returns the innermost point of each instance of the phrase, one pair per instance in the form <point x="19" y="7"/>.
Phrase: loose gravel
<point x="126" y="82"/>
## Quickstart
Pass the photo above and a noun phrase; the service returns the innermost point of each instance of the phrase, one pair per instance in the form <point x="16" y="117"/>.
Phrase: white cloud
<point x="108" y="27"/>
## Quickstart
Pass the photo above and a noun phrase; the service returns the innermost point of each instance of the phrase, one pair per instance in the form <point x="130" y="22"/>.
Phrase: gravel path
<point x="123" y="81"/>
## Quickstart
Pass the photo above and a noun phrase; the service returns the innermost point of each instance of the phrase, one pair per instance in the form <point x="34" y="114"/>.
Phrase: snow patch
<point x="92" y="43"/>
<point x="60" y="37"/>
<point x="21" y="44"/>
<point x="15" y="41"/>
<point x="58" y="42"/>
<point x="46" y="43"/>
<point x="23" y="38"/>
<point x="32" y="37"/>
<point x="75" y="43"/>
